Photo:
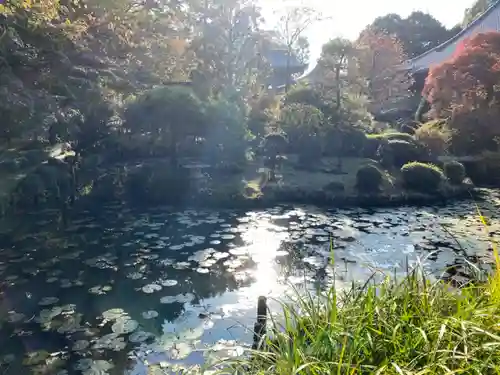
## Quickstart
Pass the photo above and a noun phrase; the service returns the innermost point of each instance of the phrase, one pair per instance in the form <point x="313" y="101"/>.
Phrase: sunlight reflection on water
<point x="187" y="281"/>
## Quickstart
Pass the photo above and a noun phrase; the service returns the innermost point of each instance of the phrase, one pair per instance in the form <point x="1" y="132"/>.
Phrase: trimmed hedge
<point x="422" y="177"/>
<point x="368" y="179"/>
<point x="398" y="153"/>
<point x="455" y="172"/>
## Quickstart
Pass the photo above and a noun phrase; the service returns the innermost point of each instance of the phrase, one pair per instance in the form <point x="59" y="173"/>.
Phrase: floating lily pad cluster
<point x="107" y="284"/>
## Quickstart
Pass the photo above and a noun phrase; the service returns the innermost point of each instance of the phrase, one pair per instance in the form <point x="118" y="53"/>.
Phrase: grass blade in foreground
<point x="399" y="327"/>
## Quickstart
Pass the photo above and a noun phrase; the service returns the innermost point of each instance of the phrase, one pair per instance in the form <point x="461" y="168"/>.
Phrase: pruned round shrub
<point x="455" y="172"/>
<point x="368" y="179"/>
<point x="421" y="177"/>
<point x="398" y="152"/>
<point x="371" y="146"/>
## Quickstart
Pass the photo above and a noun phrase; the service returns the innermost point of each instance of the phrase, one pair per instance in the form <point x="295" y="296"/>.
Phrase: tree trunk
<point x="287" y="69"/>
<point x="337" y="79"/>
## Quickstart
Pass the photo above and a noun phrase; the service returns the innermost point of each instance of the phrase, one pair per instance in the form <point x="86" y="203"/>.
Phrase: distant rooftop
<point x="488" y="21"/>
<point x="278" y="57"/>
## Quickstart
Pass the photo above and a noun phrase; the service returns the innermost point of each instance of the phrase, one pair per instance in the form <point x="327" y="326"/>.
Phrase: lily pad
<point x="151" y="288"/>
<point x="47" y="301"/>
<point x="112" y="341"/>
<point x="150" y="314"/>
<point x="36" y="358"/>
<point x="80" y="345"/>
<point x="124" y="325"/>
<point x="168" y="282"/>
<point x="139" y="337"/>
<point x="113" y="314"/>
<point x="180" y="351"/>
<point x="135" y="276"/>
<point x="15" y="317"/>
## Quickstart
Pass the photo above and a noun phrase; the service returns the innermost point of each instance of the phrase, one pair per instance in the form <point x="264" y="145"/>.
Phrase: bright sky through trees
<point x="347" y="18"/>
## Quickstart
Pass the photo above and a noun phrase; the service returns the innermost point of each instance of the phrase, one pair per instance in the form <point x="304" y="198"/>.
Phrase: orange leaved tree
<point x="380" y="56"/>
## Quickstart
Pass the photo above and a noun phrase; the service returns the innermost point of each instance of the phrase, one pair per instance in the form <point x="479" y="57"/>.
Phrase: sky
<point x="346" y="18"/>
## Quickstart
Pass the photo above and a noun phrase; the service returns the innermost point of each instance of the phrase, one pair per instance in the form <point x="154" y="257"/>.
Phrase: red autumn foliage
<point x="380" y="55"/>
<point x="466" y="89"/>
<point x="470" y="79"/>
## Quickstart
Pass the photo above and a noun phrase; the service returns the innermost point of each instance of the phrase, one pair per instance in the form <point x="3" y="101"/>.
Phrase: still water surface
<point x="125" y="292"/>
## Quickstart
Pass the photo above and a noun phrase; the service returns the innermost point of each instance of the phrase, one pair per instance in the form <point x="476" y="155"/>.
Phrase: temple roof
<point x="277" y="58"/>
<point x="488" y="21"/>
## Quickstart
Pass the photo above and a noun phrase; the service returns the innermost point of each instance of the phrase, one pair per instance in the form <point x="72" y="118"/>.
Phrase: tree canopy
<point x="478" y="8"/>
<point x="417" y="33"/>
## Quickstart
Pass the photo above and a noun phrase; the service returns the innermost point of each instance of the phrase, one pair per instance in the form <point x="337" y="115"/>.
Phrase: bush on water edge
<point x="411" y="326"/>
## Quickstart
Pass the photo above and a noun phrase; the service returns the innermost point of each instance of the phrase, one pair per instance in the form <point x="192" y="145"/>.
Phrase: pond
<point x="127" y="292"/>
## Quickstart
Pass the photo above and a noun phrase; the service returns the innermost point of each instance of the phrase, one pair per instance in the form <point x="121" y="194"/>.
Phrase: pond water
<point x="128" y="292"/>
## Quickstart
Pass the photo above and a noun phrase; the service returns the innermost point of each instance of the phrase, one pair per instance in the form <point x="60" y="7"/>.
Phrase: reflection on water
<point x="130" y="292"/>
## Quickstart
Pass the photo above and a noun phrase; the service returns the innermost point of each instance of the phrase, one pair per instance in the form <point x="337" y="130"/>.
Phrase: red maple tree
<point x="466" y="89"/>
<point x="469" y="79"/>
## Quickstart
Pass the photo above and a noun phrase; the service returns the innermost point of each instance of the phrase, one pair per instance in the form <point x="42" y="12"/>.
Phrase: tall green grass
<point x="410" y="326"/>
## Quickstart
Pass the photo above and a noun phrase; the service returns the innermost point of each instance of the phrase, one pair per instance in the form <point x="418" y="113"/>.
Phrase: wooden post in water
<point x="259" y="329"/>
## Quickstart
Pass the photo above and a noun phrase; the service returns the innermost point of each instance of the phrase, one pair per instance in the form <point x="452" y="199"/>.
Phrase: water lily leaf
<point x="176" y="247"/>
<point x="135" y="275"/>
<point x="220" y="255"/>
<point x="35" y="358"/>
<point x="113" y="314"/>
<point x="124" y="325"/>
<point x="47" y="301"/>
<point x="139" y="337"/>
<point x="111" y="341"/>
<point x="80" y="345"/>
<point x="168" y="282"/>
<point x="150" y="314"/>
<point x="180" y="351"/>
<point x="91" y="367"/>
<point x="151" y="288"/>
<point x="181" y="265"/>
<point x="14" y="317"/>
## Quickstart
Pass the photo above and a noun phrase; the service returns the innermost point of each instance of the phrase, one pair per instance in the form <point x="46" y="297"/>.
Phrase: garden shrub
<point x="368" y="179"/>
<point x="434" y="136"/>
<point x="455" y="172"/>
<point x="371" y="146"/>
<point x="421" y="177"/>
<point x="398" y="152"/>
<point x="351" y="141"/>
<point x="304" y="95"/>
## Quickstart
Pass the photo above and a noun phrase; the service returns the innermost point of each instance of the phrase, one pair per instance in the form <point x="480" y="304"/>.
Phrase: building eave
<point x="413" y="65"/>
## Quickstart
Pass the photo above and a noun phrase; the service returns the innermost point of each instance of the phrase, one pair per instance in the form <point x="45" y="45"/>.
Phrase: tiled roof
<point x="277" y="58"/>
